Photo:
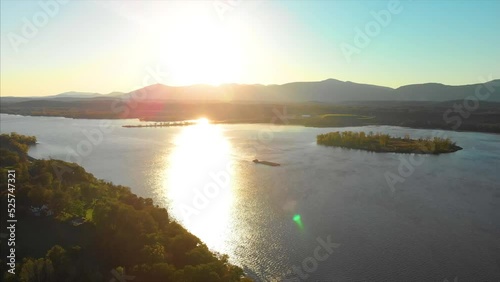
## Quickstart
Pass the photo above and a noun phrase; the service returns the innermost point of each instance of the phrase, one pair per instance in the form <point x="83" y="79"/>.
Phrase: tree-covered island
<point x="378" y="142"/>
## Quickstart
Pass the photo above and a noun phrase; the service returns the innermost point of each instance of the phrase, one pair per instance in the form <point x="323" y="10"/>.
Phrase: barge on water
<point x="266" y="163"/>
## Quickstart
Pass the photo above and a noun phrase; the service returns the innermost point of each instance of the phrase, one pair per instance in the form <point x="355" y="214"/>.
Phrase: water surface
<point x="442" y="222"/>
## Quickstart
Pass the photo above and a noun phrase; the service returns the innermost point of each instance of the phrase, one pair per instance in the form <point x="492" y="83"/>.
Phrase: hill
<point x="327" y="91"/>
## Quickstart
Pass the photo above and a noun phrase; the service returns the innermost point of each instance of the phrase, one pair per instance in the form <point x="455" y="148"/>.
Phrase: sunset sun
<point x="203" y="54"/>
<point x="202" y="121"/>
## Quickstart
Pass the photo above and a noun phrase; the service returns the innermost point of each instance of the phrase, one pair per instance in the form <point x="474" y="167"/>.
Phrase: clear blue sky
<point x="109" y="46"/>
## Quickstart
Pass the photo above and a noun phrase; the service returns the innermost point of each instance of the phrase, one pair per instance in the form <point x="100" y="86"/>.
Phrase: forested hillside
<point x="74" y="227"/>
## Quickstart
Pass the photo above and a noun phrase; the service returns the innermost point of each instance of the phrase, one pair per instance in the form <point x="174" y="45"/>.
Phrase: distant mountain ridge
<point x="326" y="91"/>
<point x="72" y="94"/>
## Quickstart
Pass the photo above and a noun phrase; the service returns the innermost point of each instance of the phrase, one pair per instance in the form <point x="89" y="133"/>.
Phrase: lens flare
<point x="298" y="220"/>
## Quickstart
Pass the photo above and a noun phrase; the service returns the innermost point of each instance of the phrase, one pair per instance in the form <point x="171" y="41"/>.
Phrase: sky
<point x="50" y="47"/>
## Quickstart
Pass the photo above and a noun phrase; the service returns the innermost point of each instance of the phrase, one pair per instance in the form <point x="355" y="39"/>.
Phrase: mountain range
<point x="326" y="91"/>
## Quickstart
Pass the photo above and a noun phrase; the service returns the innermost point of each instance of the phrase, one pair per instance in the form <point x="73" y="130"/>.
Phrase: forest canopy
<point x="378" y="142"/>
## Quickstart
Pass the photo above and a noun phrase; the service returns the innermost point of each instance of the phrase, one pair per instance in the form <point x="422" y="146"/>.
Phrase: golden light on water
<point x="203" y="121"/>
<point x="198" y="182"/>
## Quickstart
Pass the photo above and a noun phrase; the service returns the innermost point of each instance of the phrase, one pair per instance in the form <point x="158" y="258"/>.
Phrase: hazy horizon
<point x="225" y="84"/>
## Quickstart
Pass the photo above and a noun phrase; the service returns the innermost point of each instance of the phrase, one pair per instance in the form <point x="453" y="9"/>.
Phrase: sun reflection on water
<point x="198" y="183"/>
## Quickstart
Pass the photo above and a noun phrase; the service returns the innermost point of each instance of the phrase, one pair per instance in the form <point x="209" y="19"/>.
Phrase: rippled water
<point x="442" y="222"/>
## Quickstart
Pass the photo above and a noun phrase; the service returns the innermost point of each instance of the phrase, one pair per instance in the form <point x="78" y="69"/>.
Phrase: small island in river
<point x="161" y="124"/>
<point x="379" y="142"/>
<point x="265" y="163"/>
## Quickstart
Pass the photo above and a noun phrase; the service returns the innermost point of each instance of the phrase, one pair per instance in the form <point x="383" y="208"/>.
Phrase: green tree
<point x="40" y="270"/>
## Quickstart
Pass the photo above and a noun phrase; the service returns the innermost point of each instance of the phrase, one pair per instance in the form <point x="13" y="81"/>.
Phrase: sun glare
<point x="202" y="121"/>
<point x="202" y="53"/>
<point x="199" y="201"/>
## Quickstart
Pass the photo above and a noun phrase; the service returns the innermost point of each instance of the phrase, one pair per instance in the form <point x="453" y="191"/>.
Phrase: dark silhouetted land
<point x="328" y="103"/>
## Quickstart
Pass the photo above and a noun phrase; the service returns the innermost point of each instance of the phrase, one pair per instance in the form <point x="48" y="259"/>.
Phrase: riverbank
<point x="420" y="115"/>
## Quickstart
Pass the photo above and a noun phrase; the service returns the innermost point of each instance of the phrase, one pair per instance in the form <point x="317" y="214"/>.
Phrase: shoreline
<point x="259" y="122"/>
<point x="458" y="148"/>
<point x="385" y="143"/>
<point x="121" y="196"/>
